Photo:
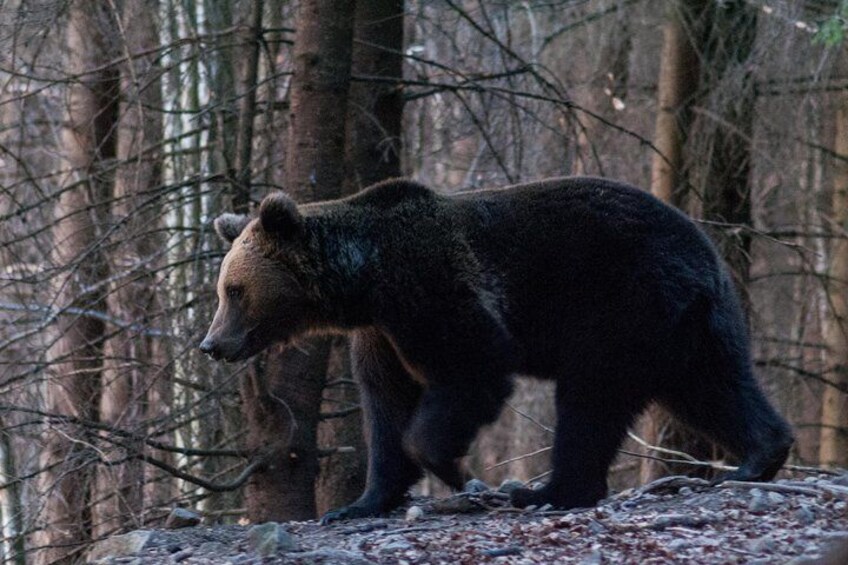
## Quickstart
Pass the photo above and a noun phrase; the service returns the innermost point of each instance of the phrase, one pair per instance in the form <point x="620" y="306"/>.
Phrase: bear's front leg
<point x="389" y="398"/>
<point x="447" y="421"/>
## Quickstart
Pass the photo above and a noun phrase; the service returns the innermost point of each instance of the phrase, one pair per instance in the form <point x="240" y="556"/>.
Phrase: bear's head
<point x="264" y="293"/>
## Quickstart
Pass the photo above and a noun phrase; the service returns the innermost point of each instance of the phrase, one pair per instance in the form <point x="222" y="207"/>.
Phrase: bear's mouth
<point x="249" y="348"/>
<point x="240" y="354"/>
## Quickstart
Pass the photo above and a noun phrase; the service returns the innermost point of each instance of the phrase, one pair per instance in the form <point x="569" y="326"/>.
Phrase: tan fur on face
<point x="249" y="267"/>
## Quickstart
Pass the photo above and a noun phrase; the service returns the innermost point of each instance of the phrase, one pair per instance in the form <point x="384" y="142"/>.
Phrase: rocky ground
<point x="674" y="520"/>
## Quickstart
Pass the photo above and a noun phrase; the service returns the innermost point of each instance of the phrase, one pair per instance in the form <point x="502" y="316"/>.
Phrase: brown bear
<point x="595" y="284"/>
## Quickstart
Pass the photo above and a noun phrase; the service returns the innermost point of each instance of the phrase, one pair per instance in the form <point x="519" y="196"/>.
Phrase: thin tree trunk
<point x="726" y="173"/>
<point x="11" y="501"/>
<point x="833" y="448"/>
<point x="81" y="214"/>
<point x="219" y="74"/>
<point x="373" y="154"/>
<point x="724" y="166"/>
<point x="247" y="110"/>
<point x="677" y="88"/>
<point x="287" y="391"/>
<point x="135" y="375"/>
<point x="719" y="153"/>
<point x="375" y="109"/>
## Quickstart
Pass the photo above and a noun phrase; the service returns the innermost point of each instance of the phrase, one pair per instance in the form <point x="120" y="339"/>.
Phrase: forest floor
<point x="673" y="520"/>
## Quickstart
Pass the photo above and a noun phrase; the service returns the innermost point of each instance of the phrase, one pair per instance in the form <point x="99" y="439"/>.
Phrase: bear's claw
<point x="347" y="513"/>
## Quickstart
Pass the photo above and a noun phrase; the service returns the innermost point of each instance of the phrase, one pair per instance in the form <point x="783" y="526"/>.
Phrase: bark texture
<point x="710" y="151"/>
<point x="319" y="94"/>
<point x="374" y="113"/>
<point x="287" y="390"/>
<point x="136" y="383"/>
<point x="724" y="169"/>
<point x="833" y="447"/>
<point x="81" y="220"/>
<point x="677" y="88"/>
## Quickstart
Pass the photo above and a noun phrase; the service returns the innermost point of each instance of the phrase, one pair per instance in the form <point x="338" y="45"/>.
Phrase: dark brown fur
<point x="590" y="282"/>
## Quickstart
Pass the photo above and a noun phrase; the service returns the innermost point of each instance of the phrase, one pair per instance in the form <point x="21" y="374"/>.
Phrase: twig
<point x="530" y="418"/>
<point x="813" y="489"/>
<point x="518" y="458"/>
<point x="657" y="448"/>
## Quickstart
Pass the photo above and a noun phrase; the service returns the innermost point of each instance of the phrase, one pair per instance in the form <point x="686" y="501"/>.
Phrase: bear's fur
<point x="616" y="296"/>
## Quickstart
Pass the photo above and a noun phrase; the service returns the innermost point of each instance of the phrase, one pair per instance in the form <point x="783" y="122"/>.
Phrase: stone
<point x="596" y="527"/>
<point x="776" y="498"/>
<point x="181" y="556"/>
<point x="212" y="548"/>
<point x="685" y="520"/>
<point x="805" y="515"/>
<point x="398" y="545"/>
<point x="502" y="551"/>
<point x="812" y="532"/>
<point x="182" y="518"/>
<point x="270" y="538"/>
<point x="759" y="502"/>
<point x="765" y="544"/>
<point x="678" y="544"/>
<point x="841" y="480"/>
<point x="333" y="556"/>
<point x="595" y="557"/>
<point x="807" y="559"/>
<point x="510" y="485"/>
<point x="413" y="513"/>
<point x="475" y="486"/>
<point x="120" y="546"/>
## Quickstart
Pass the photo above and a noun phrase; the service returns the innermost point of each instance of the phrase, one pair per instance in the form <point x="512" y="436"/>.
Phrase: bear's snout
<point x="210" y="348"/>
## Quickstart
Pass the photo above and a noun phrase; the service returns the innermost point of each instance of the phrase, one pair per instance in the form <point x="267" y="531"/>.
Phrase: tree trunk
<point x="136" y="383"/>
<point x="374" y="113"/>
<point x="219" y="74"/>
<point x="677" y="88"/>
<point x="282" y="395"/>
<point x="718" y="148"/>
<point x="375" y="109"/>
<point x="833" y="448"/>
<point x="723" y="168"/>
<point x="319" y="94"/>
<point x="726" y="165"/>
<point x="287" y="391"/>
<point x="81" y="214"/>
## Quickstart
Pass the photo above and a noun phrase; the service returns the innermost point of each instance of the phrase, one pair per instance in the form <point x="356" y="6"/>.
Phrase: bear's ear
<point x="279" y="215"/>
<point x="229" y="226"/>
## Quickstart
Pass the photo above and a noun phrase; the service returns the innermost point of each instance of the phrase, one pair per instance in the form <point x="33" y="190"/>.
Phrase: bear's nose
<point x="210" y="348"/>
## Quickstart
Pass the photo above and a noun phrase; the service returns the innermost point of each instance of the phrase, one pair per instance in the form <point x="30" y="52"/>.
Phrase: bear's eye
<point x="234" y="292"/>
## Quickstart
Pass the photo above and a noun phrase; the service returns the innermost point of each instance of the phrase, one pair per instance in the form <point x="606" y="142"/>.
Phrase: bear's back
<point x="591" y="217"/>
<point x="392" y="192"/>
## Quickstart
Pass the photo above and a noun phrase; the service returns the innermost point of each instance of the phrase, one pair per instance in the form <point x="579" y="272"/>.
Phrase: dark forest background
<point x="126" y="126"/>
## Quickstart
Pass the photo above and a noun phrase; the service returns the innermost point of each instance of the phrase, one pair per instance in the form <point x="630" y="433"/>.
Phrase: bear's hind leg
<point x="739" y="418"/>
<point x="389" y="398"/>
<point x="588" y="434"/>
<point x="716" y="392"/>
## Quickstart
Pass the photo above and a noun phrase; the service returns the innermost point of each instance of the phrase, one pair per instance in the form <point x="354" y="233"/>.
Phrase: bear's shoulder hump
<point x="392" y="192"/>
